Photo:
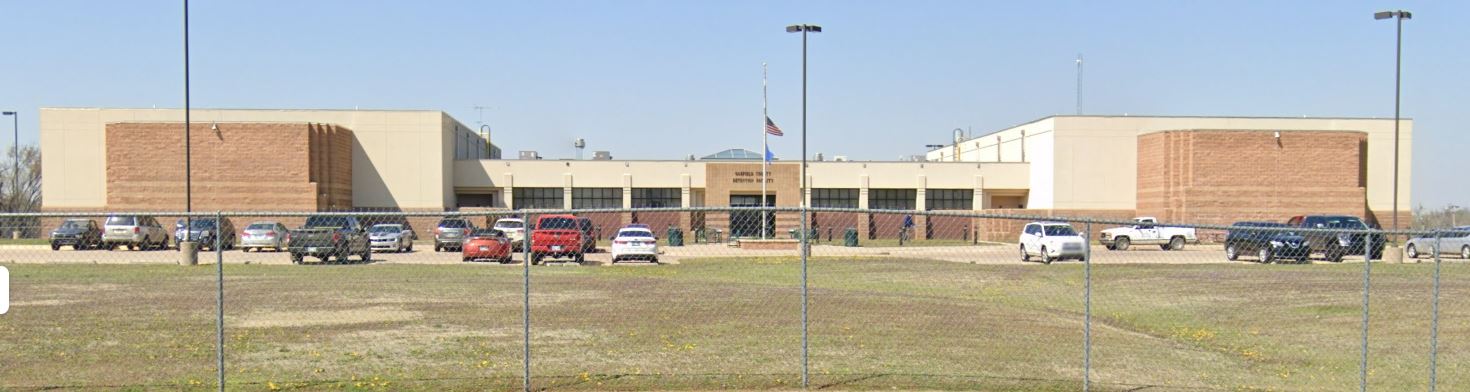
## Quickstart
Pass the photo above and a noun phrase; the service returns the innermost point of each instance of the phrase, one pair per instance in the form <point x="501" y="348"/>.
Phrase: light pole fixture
<point x="1399" y="17"/>
<point x="804" y="29"/>
<point x="15" y="175"/>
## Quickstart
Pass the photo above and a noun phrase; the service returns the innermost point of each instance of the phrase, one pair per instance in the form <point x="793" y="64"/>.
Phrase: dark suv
<point x="1246" y="239"/>
<point x="1333" y="246"/>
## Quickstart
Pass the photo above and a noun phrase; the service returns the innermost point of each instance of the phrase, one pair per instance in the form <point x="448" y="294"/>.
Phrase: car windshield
<point x="386" y="229"/>
<point x="260" y="226"/>
<point x="122" y="220"/>
<point x="326" y="221"/>
<point x="453" y="224"/>
<point x="635" y="234"/>
<point x="486" y="233"/>
<point x="1059" y="230"/>
<point x="1344" y="222"/>
<point x="74" y="224"/>
<point x="509" y="224"/>
<point x="558" y="223"/>
<point x="202" y="224"/>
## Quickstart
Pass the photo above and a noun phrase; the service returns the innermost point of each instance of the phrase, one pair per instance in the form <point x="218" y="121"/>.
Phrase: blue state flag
<point x="769" y="155"/>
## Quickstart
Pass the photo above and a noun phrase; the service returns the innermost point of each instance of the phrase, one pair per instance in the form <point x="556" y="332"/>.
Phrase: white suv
<point x="514" y="229"/>
<point x="133" y="232"/>
<point x="1051" y="241"/>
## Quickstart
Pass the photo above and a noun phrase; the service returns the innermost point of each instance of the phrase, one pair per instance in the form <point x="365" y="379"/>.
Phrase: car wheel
<point x="1121" y="243"/>
<point x="409" y="248"/>
<point x="1024" y="255"/>
<point x="367" y="255"/>
<point x="1465" y="252"/>
<point x="615" y="260"/>
<point x="1265" y="255"/>
<point x="438" y="248"/>
<point x="1301" y="259"/>
<point x="1411" y="251"/>
<point x="295" y="258"/>
<point x="1176" y="243"/>
<point x="536" y="259"/>
<point x="1109" y="246"/>
<point x="578" y="257"/>
<point x="1335" y="255"/>
<point x="1045" y="258"/>
<point x="1231" y="253"/>
<point x="55" y="246"/>
<point x="1164" y="247"/>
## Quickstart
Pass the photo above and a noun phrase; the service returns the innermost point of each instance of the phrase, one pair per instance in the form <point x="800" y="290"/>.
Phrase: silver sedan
<point x="264" y="235"/>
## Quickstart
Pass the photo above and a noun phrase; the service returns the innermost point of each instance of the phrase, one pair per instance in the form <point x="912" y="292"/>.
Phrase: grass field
<point x="731" y="324"/>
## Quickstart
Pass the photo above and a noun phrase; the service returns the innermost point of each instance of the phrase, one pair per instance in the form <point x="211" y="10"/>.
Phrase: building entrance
<point x="748" y="223"/>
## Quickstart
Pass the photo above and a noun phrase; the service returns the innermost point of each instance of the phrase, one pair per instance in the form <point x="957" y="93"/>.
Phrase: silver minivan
<point x="139" y="232"/>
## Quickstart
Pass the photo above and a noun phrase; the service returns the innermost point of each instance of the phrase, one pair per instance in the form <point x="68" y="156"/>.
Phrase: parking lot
<point x="991" y="254"/>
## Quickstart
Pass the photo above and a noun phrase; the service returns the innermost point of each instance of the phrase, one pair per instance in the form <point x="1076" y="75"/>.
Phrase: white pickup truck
<point x="1146" y="231"/>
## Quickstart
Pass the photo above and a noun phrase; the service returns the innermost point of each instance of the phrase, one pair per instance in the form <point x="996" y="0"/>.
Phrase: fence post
<point x="1087" y="308"/>
<point x="1434" y="320"/>
<point x="526" y="304"/>
<point x="219" y="304"/>
<point x="1367" y="284"/>
<point x="805" y="345"/>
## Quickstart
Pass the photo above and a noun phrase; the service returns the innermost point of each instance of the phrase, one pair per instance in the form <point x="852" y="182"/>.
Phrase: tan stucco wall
<point x="1089" y="162"/>
<point x="400" y="159"/>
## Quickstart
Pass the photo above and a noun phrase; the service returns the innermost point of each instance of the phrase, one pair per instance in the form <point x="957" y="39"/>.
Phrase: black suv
<point x="1266" y="245"/>
<point x="78" y="233"/>
<point x="1333" y="246"/>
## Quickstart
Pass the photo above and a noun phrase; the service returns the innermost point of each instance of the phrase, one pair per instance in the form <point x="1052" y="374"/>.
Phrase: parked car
<point x="1266" y="245"/>
<point x="1146" y="231"/>
<point x="139" y="232"/>
<point x="487" y="244"/>
<point x="556" y="236"/>
<point x="204" y="231"/>
<point x="262" y="235"/>
<point x="1051" y="241"/>
<point x="391" y="236"/>
<point x="1456" y="240"/>
<point x="450" y="233"/>
<point x="634" y="243"/>
<point x="589" y="235"/>
<point x="79" y="234"/>
<point x="514" y="229"/>
<point x="330" y="236"/>
<point x="1333" y="246"/>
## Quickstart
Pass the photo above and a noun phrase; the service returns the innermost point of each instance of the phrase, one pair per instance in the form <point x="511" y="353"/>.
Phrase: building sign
<point x="751" y="177"/>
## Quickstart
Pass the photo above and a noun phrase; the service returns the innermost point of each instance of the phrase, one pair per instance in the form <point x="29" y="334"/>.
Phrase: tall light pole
<point x="15" y="175"/>
<point x="1079" y="84"/>
<point x="1398" y="57"/>
<point x="804" y="29"/>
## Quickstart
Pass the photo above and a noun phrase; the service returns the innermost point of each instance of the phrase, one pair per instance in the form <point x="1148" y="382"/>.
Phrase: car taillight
<point x="270" y="234"/>
<point x="137" y="230"/>
<point x="336" y="237"/>
<point x="620" y="242"/>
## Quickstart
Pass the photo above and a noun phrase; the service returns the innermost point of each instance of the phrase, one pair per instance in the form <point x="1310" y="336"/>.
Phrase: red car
<point x="556" y="236"/>
<point x="486" y="244"/>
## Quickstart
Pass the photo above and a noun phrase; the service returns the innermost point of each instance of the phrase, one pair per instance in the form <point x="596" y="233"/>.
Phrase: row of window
<point x="878" y="199"/>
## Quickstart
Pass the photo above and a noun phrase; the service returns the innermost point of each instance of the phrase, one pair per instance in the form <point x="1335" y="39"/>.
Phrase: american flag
<point x="771" y="128"/>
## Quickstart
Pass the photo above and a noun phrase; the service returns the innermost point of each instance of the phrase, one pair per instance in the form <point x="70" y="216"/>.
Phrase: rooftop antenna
<point x="580" y="144"/>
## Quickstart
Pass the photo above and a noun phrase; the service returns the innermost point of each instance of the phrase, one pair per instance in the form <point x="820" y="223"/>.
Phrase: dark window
<point x="1059" y="231"/>
<point x="544" y="198"/>
<point x="656" y="197"/>
<point x="454" y="223"/>
<point x="892" y="199"/>
<point x="949" y="199"/>
<point x="557" y="223"/>
<point x="597" y="197"/>
<point x="475" y="200"/>
<point x="835" y="198"/>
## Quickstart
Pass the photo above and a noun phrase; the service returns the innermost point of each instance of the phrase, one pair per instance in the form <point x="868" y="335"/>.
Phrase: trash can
<point x="792" y="233"/>
<point x="849" y="237"/>
<point x="676" y="237"/>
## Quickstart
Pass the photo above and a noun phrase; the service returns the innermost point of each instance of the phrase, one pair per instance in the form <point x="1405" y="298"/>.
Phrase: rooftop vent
<point x="530" y="155"/>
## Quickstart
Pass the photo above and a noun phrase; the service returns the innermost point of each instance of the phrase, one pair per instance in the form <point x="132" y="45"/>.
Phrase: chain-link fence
<point x="727" y="298"/>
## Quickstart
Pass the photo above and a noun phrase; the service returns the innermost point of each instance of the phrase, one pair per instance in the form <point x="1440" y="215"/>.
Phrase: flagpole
<point x="765" y="149"/>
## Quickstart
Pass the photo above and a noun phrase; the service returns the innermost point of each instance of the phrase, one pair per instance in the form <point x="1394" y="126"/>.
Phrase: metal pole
<point x="219" y="303"/>
<point x="805" y="344"/>
<point x="1079" y="83"/>
<point x="765" y="149"/>
<point x="1434" y="320"/>
<point x="15" y="175"/>
<point x="526" y="304"/>
<point x="1367" y="279"/>
<point x="1397" y="66"/>
<point x="1087" y="309"/>
<point x="188" y="159"/>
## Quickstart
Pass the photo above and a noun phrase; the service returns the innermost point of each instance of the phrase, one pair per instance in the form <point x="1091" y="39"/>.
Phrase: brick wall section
<point x="240" y="167"/>
<point x="1220" y="177"/>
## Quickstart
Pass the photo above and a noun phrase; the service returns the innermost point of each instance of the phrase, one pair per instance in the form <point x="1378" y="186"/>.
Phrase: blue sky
<point x="663" y="79"/>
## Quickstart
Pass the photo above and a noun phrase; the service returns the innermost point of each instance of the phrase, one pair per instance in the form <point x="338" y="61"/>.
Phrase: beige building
<point x="1181" y="168"/>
